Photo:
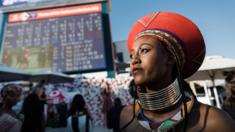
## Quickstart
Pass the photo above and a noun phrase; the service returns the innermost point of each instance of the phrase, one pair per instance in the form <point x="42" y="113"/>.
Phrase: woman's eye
<point x="143" y="50"/>
<point x="131" y="56"/>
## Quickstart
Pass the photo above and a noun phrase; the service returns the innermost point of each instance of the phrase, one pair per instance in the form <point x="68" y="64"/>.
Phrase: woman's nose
<point x="135" y="60"/>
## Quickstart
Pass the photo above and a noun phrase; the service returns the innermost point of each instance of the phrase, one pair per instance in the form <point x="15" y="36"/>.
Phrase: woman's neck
<point x="158" y="85"/>
<point x="7" y="107"/>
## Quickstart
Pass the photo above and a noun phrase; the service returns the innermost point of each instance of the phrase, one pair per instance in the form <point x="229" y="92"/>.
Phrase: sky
<point x="215" y="19"/>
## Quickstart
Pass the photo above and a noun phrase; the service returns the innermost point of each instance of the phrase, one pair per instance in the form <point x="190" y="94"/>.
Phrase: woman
<point x="166" y="48"/>
<point x="79" y="119"/>
<point x="32" y="114"/>
<point x="9" y="122"/>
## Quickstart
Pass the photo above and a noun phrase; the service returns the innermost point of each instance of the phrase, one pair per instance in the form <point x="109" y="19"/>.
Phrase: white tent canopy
<point x="213" y="68"/>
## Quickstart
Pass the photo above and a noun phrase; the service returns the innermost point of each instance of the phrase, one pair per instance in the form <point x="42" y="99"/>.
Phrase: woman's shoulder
<point x="8" y="122"/>
<point x="220" y="118"/>
<point x="8" y="117"/>
<point x="126" y="114"/>
<point x="211" y="118"/>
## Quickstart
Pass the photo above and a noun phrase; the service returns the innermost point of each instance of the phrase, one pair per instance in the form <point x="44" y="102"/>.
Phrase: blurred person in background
<point x="32" y="114"/>
<point x="9" y="121"/>
<point x="79" y="119"/>
<point x="51" y="115"/>
<point x="40" y="90"/>
<point x="62" y="110"/>
<point x="113" y="116"/>
<point x="106" y="93"/>
<point x="229" y="102"/>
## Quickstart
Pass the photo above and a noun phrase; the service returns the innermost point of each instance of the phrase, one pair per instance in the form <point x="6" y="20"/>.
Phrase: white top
<point x="9" y="124"/>
<point x="82" y="124"/>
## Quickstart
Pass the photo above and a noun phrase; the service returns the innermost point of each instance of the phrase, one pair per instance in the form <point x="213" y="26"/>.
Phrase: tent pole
<point x="215" y="91"/>
<point x="207" y="95"/>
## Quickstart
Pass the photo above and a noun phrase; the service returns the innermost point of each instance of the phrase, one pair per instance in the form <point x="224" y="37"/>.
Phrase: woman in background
<point x="32" y="114"/>
<point x="79" y="119"/>
<point x="9" y="122"/>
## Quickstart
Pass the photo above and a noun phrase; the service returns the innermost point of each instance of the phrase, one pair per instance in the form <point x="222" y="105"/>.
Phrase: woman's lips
<point x="136" y="70"/>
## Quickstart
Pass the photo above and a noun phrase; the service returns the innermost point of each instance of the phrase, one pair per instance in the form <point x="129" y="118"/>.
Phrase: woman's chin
<point x="138" y="80"/>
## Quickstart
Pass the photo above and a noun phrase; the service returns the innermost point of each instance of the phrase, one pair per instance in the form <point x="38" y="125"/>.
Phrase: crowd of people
<point x="99" y="95"/>
<point x="92" y="101"/>
<point x="31" y="116"/>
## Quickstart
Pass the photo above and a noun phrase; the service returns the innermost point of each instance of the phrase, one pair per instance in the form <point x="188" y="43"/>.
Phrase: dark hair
<point x="32" y="114"/>
<point x="117" y="102"/>
<point x="5" y="90"/>
<point x="184" y="86"/>
<point x="78" y="104"/>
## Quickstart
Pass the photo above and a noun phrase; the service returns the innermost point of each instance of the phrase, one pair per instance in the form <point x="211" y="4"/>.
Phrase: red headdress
<point x="178" y="33"/>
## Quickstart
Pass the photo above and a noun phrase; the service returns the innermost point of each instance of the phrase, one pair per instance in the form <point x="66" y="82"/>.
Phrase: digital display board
<point x="61" y="39"/>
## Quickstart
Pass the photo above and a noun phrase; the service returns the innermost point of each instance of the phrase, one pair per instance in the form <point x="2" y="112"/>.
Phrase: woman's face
<point x="151" y="63"/>
<point x="12" y="97"/>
